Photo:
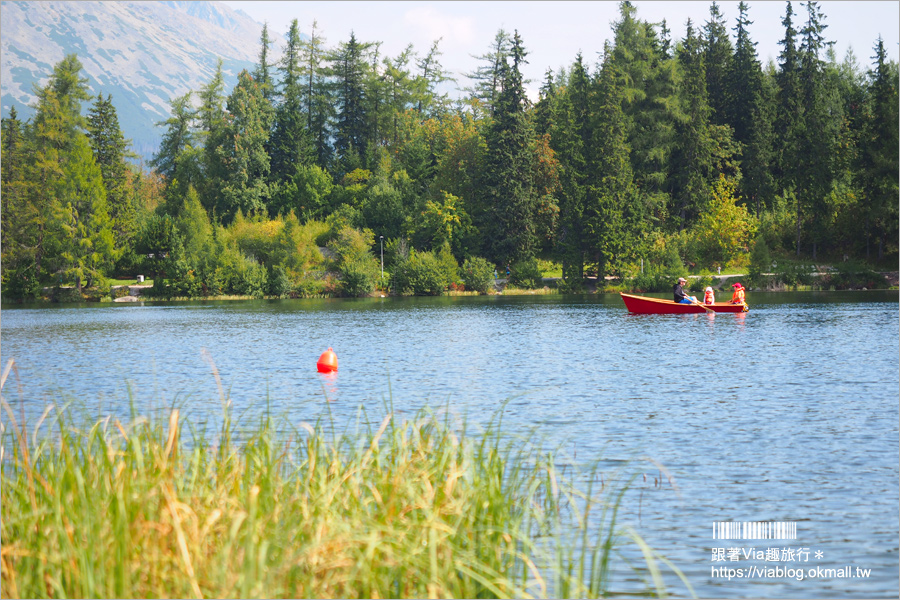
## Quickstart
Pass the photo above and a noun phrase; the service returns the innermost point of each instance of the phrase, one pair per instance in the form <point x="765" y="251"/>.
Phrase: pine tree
<point x="744" y="79"/>
<point x="880" y="154"/>
<point x="717" y="57"/>
<point x="543" y="110"/>
<point x="488" y="77"/>
<point x="613" y="215"/>
<point x="665" y="41"/>
<point x="211" y="114"/>
<point x="87" y="247"/>
<point x="400" y="92"/>
<point x="789" y="108"/>
<point x="242" y="154"/>
<point x="571" y="139"/>
<point x="317" y="98"/>
<point x="431" y="103"/>
<point x="211" y="120"/>
<point x="67" y="220"/>
<point x="507" y="180"/>
<point x="693" y="157"/>
<point x="290" y="145"/>
<point x="750" y="114"/>
<point x="818" y="139"/>
<point x="351" y="130"/>
<point x="262" y="74"/>
<point x="19" y="276"/>
<point x="110" y="153"/>
<point x="377" y="103"/>
<point x="176" y="159"/>
<point x="650" y="104"/>
<point x="758" y="183"/>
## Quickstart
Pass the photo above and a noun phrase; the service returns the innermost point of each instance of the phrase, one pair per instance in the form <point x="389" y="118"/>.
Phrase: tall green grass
<point x="156" y="508"/>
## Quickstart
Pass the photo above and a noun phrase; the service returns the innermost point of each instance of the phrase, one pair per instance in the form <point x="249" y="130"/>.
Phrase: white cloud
<point x="429" y="25"/>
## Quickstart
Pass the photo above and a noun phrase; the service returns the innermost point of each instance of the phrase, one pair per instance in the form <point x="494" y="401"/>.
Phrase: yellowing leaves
<point x="724" y="231"/>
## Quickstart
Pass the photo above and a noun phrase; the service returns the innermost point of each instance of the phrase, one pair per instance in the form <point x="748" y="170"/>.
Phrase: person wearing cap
<point x="709" y="297"/>
<point x="738" y="296"/>
<point x="680" y="296"/>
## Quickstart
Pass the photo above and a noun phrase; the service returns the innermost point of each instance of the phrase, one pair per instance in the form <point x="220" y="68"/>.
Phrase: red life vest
<point x="738" y="297"/>
<point x="709" y="297"/>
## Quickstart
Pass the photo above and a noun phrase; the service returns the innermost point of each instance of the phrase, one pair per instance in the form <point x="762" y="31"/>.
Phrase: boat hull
<point x="658" y="306"/>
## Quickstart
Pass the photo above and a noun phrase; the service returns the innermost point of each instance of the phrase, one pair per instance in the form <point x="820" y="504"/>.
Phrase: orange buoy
<point x="327" y="362"/>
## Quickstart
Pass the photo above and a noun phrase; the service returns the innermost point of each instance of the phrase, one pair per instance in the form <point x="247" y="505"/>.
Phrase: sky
<point x="554" y="32"/>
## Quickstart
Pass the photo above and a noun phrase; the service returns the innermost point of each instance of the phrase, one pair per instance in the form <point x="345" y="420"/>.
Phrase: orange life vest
<point x="709" y="297"/>
<point x="738" y="297"/>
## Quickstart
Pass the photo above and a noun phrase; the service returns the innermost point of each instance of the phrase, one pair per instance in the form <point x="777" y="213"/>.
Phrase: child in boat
<point x="709" y="297"/>
<point x="738" y="296"/>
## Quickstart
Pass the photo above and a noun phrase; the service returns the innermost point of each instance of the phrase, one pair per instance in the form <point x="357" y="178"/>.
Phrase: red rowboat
<point x="658" y="306"/>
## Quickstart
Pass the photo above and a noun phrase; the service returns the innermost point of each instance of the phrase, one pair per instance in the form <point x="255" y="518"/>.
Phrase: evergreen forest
<point x="338" y="170"/>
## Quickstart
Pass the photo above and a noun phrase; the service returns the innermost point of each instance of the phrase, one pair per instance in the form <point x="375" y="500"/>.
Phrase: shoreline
<point x="135" y="292"/>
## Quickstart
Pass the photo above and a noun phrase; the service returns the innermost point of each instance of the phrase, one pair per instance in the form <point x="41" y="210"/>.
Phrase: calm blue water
<point x="786" y="413"/>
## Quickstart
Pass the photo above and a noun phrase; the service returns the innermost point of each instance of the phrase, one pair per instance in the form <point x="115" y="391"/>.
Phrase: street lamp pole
<point x="381" y="238"/>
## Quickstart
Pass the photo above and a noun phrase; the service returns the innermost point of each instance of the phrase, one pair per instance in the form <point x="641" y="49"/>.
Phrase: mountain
<point x="143" y="53"/>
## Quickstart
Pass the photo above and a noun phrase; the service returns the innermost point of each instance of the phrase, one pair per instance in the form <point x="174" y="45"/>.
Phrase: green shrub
<point x="760" y="260"/>
<point x="570" y="286"/>
<point x="526" y="274"/>
<point x="359" y="275"/>
<point x="343" y="217"/>
<point x="478" y="274"/>
<point x="698" y="284"/>
<point x="449" y="266"/>
<point x="67" y="294"/>
<point x="851" y="275"/>
<point x="652" y="281"/>
<point x="794" y="274"/>
<point x="279" y="282"/>
<point x="120" y="292"/>
<point x="253" y="281"/>
<point x="420" y="274"/>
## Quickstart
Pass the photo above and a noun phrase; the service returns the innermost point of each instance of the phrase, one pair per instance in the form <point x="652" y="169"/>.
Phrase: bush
<point x="67" y="294"/>
<point x="120" y="292"/>
<point x="359" y="275"/>
<point x="256" y="281"/>
<point x="345" y="216"/>
<point x="698" y="284"/>
<point x="652" y="281"/>
<point x="760" y="261"/>
<point x="852" y="275"/>
<point x="570" y="286"/>
<point x="449" y="266"/>
<point x="420" y="274"/>
<point x="279" y="282"/>
<point x="478" y="274"/>
<point x="794" y="274"/>
<point x="526" y="274"/>
<point x="309" y="288"/>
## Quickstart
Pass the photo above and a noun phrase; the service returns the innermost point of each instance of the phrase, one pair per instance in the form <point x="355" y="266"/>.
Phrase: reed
<point x="158" y="508"/>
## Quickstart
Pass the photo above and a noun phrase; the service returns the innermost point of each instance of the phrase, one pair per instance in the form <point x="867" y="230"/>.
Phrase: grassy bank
<point x="413" y="509"/>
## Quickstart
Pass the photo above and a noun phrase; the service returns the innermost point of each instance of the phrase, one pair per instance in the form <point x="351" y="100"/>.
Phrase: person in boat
<point x="709" y="297"/>
<point x="680" y="296"/>
<point x="738" y="296"/>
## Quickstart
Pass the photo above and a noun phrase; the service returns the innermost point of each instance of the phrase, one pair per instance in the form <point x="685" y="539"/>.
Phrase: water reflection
<point x="329" y="385"/>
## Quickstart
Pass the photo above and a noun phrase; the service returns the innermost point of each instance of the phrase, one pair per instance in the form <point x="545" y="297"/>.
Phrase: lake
<point x="788" y="413"/>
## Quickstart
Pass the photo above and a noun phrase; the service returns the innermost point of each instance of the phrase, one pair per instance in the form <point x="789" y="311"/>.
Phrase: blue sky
<point x="554" y="32"/>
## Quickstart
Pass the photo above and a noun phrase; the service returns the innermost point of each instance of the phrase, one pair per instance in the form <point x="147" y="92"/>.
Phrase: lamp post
<point x="381" y="239"/>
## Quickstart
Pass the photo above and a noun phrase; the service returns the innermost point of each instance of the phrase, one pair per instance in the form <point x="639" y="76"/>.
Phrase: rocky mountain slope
<point x="143" y="53"/>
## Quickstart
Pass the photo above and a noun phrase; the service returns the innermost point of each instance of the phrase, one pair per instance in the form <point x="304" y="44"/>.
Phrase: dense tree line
<point x="669" y="153"/>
